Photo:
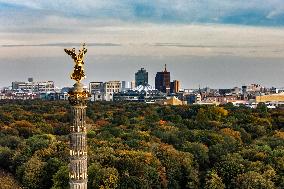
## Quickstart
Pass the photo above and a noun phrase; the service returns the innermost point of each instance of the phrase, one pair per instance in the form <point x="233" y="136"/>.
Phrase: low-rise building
<point x="141" y="93"/>
<point x="110" y="88"/>
<point x="33" y="86"/>
<point x="173" y="101"/>
<point x="95" y="87"/>
<point x="98" y="96"/>
<point x="278" y="97"/>
<point x="220" y="99"/>
<point x="193" y="98"/>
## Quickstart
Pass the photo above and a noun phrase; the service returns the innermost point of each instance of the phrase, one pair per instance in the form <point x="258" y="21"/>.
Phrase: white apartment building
<point x="38" y="86"/>
<point x="109" y="88"/>
<point x="95" y="87"/>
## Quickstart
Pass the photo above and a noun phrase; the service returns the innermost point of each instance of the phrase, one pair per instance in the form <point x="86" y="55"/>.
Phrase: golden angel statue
<point x="78" y="73"/>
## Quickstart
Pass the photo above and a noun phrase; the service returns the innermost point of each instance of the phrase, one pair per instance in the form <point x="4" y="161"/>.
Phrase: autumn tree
<point x="213" y="181"/>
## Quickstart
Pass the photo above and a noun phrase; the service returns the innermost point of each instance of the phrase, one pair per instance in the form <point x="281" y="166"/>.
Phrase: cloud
<point x="63" y="45"/>
<point x="160" y="27"/>
<point x="203" y="46"/>
<point x="151" y="40"/>
<point x="36" y="13"/>
<point x="276" y="13"/>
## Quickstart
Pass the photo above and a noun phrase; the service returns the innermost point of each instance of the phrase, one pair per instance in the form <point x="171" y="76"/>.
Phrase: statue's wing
<point x="81" y="54"/>
<point x="71" y="53"/>
<point x="85" y="50"/>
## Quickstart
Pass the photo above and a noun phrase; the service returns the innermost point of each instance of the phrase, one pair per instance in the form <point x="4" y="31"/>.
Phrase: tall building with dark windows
<point x="141" y="77"/>
<point x="163" y="81"/>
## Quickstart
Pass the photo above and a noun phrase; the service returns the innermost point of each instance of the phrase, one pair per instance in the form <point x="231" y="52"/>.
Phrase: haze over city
<point x="217" y="43"/>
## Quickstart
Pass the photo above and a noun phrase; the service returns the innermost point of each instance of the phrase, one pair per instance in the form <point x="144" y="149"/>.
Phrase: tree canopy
<point x="137" y="145"/>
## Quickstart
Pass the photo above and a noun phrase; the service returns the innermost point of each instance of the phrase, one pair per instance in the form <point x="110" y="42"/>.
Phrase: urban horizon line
<point x="200" y="86"/>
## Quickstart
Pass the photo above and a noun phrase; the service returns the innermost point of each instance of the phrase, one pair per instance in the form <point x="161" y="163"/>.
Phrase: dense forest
<point x="137" y="145"/>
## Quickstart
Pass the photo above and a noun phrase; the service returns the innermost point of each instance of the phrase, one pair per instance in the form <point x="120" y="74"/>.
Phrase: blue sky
<point x="148" y="32"/>
<point x="240" y="12"/>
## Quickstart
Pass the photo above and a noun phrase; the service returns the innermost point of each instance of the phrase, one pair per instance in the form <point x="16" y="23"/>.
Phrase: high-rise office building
<point x="175" y="86"/>
<point x="162" y="81"/>
<point x="141" y="77"/>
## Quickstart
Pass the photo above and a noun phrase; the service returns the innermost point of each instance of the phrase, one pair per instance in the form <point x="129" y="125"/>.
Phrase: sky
<point x="215" y="43"/>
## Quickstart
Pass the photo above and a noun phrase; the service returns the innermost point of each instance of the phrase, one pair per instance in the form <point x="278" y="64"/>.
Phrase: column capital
<point x="77" y="95"/>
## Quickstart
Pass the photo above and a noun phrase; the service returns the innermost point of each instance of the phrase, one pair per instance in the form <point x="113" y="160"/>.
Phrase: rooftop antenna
<point x="165" y="68"/>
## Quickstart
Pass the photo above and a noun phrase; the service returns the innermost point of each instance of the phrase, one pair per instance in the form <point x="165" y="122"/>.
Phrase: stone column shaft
<point x="78" y="138"/>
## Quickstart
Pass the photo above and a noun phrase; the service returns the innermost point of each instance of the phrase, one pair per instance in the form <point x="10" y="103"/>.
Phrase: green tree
<point x="11" y="142"/>
<point x="202" y="116"/>
<point x="213" y="181"/>
<point x="5" y="157"/>
<point x="25" y="128"/>
<point x="61" y="178"/>
<point x="199" y="151"/>
<point x="33" y="172"/>
<point x="51" y="167"/>
<point x="102" y="178"/>
<point x="253" y="180"/>
<point x="37" y="142"/>
<point x="229" y="169"/>
<point x="262" y="109"/>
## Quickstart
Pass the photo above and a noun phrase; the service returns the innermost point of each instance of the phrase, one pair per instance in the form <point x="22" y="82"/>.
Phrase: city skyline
<point x="217" y="43"/>
<point x="195" y="78"/>
<point x="31" y="79"/>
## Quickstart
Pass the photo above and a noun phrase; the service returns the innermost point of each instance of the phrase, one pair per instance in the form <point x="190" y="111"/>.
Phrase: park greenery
<point x="137" y="145"/>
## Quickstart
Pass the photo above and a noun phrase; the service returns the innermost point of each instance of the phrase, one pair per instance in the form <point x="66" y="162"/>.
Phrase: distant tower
<point x="30" y="79"/>
<point x="141" y="77"/>
<point x="162" y="81"/>
<point x="125" y="85"/>
<point x="175" y="86"/>
<point x="78" y="138"/>
<point x="132" y="84"/>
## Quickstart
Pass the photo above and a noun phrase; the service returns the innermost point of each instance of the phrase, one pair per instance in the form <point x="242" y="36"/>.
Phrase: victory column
<point x="78" y="139"/>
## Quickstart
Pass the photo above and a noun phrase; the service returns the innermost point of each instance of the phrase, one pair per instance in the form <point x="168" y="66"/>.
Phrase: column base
<point x="78" y="185"/>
